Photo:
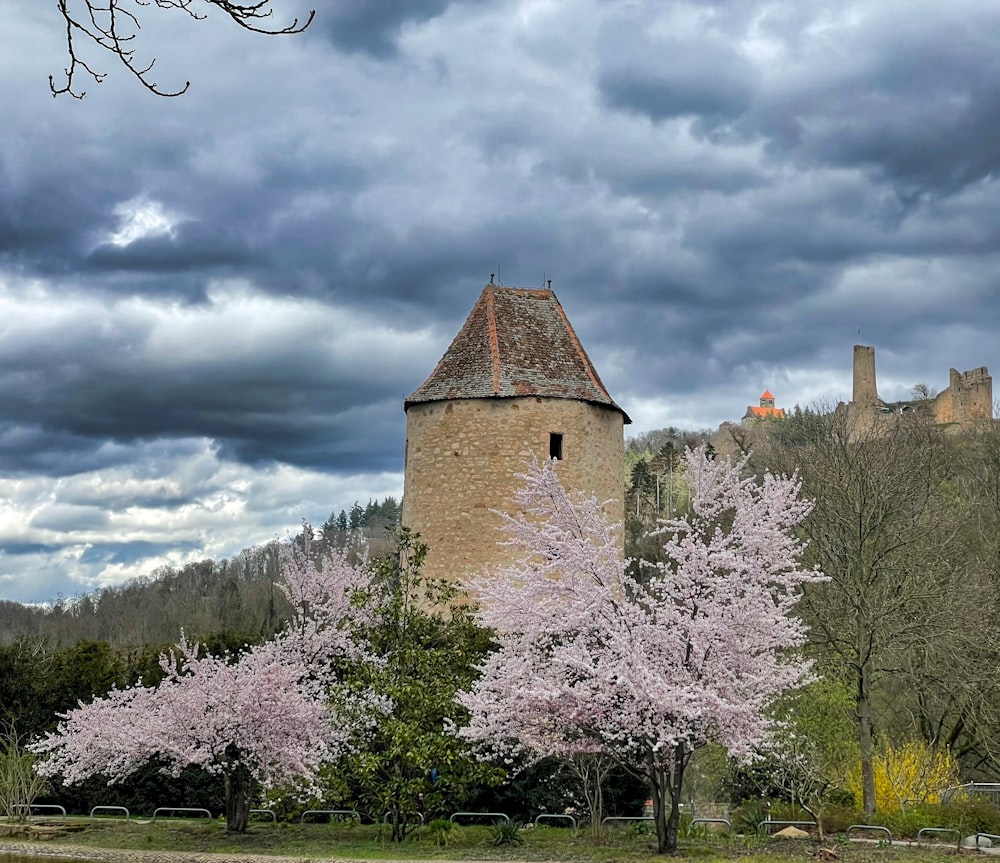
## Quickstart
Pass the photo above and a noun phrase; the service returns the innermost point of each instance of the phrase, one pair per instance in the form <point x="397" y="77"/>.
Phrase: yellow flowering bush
<point x="914" y="772"/>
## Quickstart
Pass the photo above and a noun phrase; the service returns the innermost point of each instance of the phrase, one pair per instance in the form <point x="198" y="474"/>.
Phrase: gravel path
<point x="121" y="855"/>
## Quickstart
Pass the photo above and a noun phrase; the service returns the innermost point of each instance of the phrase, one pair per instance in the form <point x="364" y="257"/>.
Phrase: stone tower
<point x="865" y="388"/>
<point x="515" y="381"/>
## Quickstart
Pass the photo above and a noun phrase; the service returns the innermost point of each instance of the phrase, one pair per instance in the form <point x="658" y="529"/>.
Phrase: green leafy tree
<point x="815" y="746"/>
<point x="427" y="648"/>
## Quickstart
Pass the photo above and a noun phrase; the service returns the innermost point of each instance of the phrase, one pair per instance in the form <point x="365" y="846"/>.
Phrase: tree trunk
<point x="865" y="741"/>
<point x="666" y="792"/>
<point x="398" y="820"/>
<point x="681" y="756"/>
<point x="239" y="784"/>
<point x="658" y="793"/>
<point x="592" y="770"/>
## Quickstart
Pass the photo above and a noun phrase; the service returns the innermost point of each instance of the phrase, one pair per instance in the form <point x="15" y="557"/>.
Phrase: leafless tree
<point x="19" y="783"/>
<point x="883" y="533"/>
<point x="114" y="26"/>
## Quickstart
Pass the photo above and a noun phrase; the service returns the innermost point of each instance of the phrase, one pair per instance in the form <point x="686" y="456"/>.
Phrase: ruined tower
<point x="968" y="399"/>
<point x="515" y="382"/>
<point x="865" y="390"/>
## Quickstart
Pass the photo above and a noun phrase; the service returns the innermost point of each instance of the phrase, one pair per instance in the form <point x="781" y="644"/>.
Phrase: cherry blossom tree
<point x="258" y="719"/>
<point x="649" y="668"/>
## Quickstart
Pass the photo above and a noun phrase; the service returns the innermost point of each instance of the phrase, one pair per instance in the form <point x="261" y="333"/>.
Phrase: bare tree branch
<point x="113" y="27"/>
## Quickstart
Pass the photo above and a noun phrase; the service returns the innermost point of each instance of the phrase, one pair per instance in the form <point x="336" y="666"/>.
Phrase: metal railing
<point x="29" y="807"/>
<point x="405" y="817"/>
<point x="624" y="819"/>
<point x="990" y="790"/>
<point x="992" y="837"/>
<point x="876" y="827"/>
<point x="265" y="812"/>
<point x="925" y="831"/>
<point x="768" y="824"/>
<point x="726" y="821"/>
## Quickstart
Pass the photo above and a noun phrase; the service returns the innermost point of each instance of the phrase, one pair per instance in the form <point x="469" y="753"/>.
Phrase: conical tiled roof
<point x="516" y="342"/>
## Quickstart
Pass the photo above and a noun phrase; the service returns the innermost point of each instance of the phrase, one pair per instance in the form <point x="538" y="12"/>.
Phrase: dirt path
<point x="122" y="855"/>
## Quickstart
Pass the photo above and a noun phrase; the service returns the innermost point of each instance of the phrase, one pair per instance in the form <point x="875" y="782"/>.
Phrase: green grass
<point x="366" y="842"/>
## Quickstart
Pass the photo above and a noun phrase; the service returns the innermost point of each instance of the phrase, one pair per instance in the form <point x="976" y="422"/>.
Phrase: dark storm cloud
<point x="190" y="246"/>
<point x="372" y="28"/>
<point x="890" y="94"/>
<point x="277" y="405"/>
<point x="31" y="449"/>
<point x="48" y="207"/>
<point x="668" y="78"/>
<point x="211" y="308"/>
<point x="910" y="97"/>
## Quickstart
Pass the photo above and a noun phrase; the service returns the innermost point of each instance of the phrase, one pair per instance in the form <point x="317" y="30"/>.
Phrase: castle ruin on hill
<point x="967" y="401"/>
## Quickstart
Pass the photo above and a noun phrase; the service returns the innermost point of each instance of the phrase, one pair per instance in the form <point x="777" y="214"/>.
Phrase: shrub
<point x="442" y="831"/>
<point x="907" y="775"/>
<point x="746" y="818"/>
<point x="507" y="833"/>
<point x="965" y="816"/>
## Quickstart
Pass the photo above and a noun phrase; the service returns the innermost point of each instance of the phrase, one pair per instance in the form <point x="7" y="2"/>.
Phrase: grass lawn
<point x="365" y="842"/>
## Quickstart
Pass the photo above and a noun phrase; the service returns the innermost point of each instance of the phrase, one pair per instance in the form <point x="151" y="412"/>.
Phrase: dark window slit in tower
<point x="556" y="446"/>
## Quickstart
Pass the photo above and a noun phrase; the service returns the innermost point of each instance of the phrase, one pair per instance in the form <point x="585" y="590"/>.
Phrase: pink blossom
<point x="262" y="716"/>
<point x="645" y="669"/>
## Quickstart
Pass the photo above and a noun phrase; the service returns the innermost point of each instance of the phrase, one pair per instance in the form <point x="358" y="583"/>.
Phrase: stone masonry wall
<point x="461" y="457"/>
<point x="967" y="400"/>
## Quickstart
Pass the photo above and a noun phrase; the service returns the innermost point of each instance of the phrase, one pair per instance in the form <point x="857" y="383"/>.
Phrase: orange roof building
<point x="766" y="410"/>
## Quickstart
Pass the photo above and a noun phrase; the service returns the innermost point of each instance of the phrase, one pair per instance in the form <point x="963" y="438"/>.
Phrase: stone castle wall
<point x="969" y="397"/>
<point x="461" y="457"/>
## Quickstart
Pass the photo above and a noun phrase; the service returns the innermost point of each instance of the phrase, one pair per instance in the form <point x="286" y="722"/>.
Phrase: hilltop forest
<point x="235" y="599"/>
<point x="905" y="526"/>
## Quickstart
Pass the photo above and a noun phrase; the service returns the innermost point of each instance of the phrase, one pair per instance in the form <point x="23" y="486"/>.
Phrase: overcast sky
<point x="212" y="307"/>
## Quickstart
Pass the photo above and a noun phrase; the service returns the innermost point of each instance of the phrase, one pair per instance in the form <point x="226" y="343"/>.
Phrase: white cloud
<point x="139" y="218"/>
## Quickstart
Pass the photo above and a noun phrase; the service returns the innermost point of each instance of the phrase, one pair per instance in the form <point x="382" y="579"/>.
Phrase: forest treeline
<point x="236" y="596"/>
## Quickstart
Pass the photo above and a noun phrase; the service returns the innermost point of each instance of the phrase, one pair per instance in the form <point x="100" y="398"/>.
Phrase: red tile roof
<point x="767" y="395"/>
<point x="516" y="342"/>
<point x="766" y="411"/>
